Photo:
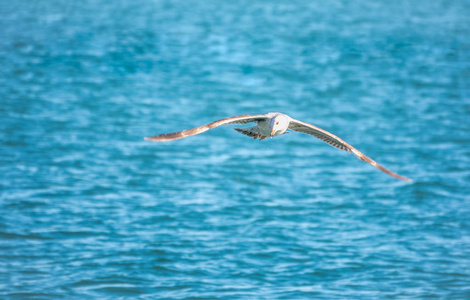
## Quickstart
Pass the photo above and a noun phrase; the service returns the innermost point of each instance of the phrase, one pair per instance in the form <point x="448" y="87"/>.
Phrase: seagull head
<point x="279" y="125"/>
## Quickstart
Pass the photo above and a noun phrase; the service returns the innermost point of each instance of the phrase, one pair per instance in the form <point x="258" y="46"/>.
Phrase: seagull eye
<point x="277" y="123"/>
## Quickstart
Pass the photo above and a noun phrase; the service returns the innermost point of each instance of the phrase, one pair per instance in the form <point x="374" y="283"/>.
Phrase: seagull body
<point x="271" y="125"/>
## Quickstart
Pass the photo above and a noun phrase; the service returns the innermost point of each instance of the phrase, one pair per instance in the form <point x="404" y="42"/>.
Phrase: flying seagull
<point x="274" y="124"/>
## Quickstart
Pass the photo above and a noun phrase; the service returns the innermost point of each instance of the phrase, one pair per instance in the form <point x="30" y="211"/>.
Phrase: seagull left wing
<point x="242" y="119"/>
<point x="336" y="142"/>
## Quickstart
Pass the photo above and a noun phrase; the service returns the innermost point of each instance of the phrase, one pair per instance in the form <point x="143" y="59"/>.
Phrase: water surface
<point x="91" y="210"/>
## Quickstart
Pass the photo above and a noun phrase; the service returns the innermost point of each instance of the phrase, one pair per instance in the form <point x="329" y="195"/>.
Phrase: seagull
<point x="274" y="124"/>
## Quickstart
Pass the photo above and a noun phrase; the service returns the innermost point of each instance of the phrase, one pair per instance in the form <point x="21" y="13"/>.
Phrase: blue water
<point x="91" y="210"/>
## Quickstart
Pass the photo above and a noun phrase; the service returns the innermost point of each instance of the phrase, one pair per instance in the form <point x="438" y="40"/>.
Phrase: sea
<point x="91" y="210"/>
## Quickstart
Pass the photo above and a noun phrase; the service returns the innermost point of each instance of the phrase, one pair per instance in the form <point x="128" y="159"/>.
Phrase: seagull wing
<point x="242" y="119"/>
<point x="336" y="142"/>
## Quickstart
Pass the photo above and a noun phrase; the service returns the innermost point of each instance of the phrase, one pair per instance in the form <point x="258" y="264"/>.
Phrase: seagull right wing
<point x="242" y="119"/>
<point x="336" y="142"/>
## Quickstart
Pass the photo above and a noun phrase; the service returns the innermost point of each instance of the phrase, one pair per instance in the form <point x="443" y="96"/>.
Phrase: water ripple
<point x="91" y="210"/>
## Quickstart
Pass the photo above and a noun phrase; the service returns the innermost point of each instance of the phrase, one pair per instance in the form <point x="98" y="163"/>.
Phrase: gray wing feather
<point x="323" y="135"/>
<point x="336" y="142"/>
<point x="242" y="119"/>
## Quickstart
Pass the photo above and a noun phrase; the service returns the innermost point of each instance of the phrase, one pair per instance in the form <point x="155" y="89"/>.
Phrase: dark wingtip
<point x="151" y="138"/>
<point x="406" y="179"/>
<point x="162" y="138"/>
<point x="397" y="176"/>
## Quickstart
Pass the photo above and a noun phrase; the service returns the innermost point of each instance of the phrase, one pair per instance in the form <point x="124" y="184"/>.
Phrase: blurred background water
<point x="91" y="210"/>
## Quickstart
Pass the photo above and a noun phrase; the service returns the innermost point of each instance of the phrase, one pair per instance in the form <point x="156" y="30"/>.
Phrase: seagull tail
<point x="250" y="131"/>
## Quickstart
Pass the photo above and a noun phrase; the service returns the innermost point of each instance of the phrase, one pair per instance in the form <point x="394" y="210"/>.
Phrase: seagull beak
<point x="272" y="133"/>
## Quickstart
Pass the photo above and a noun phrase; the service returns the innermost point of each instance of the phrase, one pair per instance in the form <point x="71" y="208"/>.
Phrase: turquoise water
<point x="91" y="210"/>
